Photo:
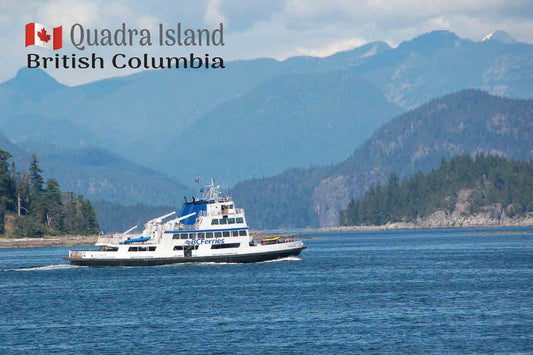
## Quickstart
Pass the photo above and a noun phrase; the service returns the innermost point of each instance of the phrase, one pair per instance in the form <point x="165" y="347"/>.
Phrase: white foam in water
<point x="288" y="258"/>
<point x="47" y="267"/>
<point x="212" y="263"/>
<point x="68" y="266"/>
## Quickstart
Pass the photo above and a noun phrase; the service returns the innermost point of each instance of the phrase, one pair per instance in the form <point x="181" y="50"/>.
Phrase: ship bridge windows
<point x="225" y="246"/>
<point x="223" y="221"/>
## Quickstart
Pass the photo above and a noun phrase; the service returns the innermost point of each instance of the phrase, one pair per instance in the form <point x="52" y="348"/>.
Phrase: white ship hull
<point x="247" y="255"/>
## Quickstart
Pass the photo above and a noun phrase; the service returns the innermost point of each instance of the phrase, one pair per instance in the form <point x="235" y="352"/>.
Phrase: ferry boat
<point x="209" y="229"/>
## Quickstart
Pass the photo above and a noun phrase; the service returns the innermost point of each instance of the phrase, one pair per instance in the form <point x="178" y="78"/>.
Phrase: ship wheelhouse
<point x="213" y="213"/>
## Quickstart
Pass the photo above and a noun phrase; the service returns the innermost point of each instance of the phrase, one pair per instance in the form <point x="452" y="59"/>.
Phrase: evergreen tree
<point x="37" y="208"/>
<point x="489" y="180"/>
<point x="92" y="226"/>
<point x="7" y="188"/>
<point x="36" y="179"/>
<point x="53" y="206"/>
<point x="7" y="183"/>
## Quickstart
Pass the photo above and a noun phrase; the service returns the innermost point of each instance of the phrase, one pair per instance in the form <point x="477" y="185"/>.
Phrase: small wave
<point x="287" y="258"/>
<point x="215" y="263"/>
<point x="45" y="267"/>
<point x="205" y="263"/>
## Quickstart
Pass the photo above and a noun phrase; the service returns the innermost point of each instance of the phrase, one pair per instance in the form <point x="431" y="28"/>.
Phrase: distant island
<point x="464" y="191"/>
<point x="31" y="207"/>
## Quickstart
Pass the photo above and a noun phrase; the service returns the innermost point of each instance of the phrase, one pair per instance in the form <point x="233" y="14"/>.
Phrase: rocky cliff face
<point x="440" y="219"/>
<point x="492" y="215"/>
<point x="490" y="218"/>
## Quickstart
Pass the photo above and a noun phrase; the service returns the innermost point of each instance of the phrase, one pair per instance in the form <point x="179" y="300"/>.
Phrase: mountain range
<point x="97" y="174"/>
<point x="467" y="122"/>
<point x="256" y="118"/>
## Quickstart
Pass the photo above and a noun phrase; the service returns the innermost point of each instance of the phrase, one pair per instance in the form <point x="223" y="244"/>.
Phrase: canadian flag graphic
<point x="40" y="35"/>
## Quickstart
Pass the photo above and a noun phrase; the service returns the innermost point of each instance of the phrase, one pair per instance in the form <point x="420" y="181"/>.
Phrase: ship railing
<point x="115" y="238"/>
<point x="187" y="227"/>
<point x="219" y="213"/>
<point x="110" y="239"/>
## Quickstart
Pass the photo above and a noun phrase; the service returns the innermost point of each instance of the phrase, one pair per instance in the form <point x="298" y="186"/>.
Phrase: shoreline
<point x="77" y="240"/>
<point x="408" y="226"/>
<point x="48" y="241"/>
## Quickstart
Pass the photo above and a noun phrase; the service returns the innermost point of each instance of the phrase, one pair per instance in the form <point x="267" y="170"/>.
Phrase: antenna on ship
<point x="211" y="191"/>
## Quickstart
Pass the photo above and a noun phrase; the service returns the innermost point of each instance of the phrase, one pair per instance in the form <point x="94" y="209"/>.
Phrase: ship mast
<point x="211" y="191"/>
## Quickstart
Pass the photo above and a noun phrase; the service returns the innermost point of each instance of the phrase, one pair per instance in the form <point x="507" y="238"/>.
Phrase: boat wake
<point x="45" y="267"/>
<point x="287" y="258"/>
<point x="68" y="266"/>
<point x="211" y="263"/>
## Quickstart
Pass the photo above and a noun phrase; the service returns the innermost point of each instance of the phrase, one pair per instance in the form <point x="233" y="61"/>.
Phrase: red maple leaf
<point x="43" y="36"/>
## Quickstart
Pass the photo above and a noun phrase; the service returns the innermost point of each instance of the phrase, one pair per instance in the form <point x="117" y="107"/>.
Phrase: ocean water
<point x="429" y="291"/>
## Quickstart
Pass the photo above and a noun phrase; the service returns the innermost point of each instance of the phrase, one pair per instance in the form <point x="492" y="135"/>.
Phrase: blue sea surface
<point x="426" y="291"/>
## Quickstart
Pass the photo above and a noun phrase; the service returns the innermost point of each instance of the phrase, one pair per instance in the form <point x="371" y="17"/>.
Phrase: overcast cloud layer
<point x="265" y="28"/>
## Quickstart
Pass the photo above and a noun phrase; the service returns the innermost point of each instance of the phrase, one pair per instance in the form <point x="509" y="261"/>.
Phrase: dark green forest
<point x="492" y="180"/>
<point x="32" y="207"/>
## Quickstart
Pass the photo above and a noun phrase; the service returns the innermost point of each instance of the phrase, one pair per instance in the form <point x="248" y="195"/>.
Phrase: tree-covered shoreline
<point x="33" y="207"/>
<point x="489" y="180"/>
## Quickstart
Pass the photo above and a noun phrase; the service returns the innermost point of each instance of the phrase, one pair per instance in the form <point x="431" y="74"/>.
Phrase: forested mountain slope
<point x="489" y="187"/>
<point x="467" y="122"/>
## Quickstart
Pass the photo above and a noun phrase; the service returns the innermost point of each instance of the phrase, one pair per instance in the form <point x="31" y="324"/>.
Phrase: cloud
<point x="332" y="48"/>
<point x="149" y="22"/>
<point x="213" y="14"/>
<point x="262" y="28"/>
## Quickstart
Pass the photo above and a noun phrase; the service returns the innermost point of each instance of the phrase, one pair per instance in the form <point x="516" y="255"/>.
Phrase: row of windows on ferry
<point x="224" y="234"/>
<point x="181" y="247"/>
<point x="214" y="246"/>
<point x="218" y="221"/>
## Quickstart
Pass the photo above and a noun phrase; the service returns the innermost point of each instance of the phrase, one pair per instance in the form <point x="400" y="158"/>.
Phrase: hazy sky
<point x="265" y="28"/>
